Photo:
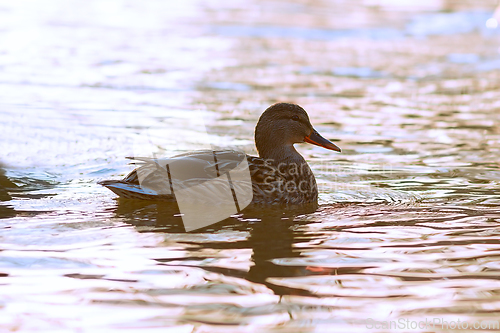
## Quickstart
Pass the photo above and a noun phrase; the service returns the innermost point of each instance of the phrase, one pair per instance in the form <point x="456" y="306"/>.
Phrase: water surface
<point x="408" y="224"/>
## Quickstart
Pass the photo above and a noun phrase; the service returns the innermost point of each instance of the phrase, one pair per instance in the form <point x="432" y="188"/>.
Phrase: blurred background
<point x="409" y="218"/>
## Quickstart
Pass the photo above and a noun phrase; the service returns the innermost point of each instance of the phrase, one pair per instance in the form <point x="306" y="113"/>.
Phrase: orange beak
<point x="316" y="139"/>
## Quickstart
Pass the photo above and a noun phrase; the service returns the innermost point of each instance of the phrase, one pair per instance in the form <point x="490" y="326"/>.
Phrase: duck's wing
<point x="156" y="179"/>
<point x="148" y="182"/>
<point x="266" y="179"/>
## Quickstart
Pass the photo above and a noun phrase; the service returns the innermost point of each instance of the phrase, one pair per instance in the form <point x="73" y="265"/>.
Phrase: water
<point x="408" y="224"/>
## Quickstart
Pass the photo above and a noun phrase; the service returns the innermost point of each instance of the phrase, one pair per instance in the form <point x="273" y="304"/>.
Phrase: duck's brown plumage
<point x="280" y="175"/>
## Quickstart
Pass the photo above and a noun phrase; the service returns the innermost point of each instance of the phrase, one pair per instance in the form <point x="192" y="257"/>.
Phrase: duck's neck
<point x="284" y="154"/>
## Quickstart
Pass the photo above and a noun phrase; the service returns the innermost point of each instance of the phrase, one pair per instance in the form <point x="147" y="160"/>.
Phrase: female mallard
<point x="280" y="175"/>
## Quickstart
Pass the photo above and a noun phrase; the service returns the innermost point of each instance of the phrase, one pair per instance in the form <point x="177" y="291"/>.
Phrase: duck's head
<point x="281" y="126"/>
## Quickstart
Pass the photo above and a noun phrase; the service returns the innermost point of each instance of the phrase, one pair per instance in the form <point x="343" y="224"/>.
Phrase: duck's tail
<point x="133" y="191"/>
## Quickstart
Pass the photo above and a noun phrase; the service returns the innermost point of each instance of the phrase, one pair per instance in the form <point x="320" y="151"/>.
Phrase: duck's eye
<point x="296" y="118"/>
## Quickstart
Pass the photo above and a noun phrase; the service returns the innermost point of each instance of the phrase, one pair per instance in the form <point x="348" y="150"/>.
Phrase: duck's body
<point x="271" y="184"/>
<point x="280" y="175"/>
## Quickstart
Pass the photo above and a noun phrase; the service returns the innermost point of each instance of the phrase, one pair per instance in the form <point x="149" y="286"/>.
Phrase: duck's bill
<point x="316" y="139"/>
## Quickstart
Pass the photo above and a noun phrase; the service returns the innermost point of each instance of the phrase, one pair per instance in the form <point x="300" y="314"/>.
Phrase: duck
<point x="278" y="176"/>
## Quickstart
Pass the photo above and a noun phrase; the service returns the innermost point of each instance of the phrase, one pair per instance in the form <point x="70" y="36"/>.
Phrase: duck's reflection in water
<point x="271" y="236"/>
<point x="150" y="216"/>
<point x="270" y="239"/>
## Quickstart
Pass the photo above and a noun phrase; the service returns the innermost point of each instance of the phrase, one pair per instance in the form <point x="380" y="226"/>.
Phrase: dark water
<point x="408" y="224"/>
